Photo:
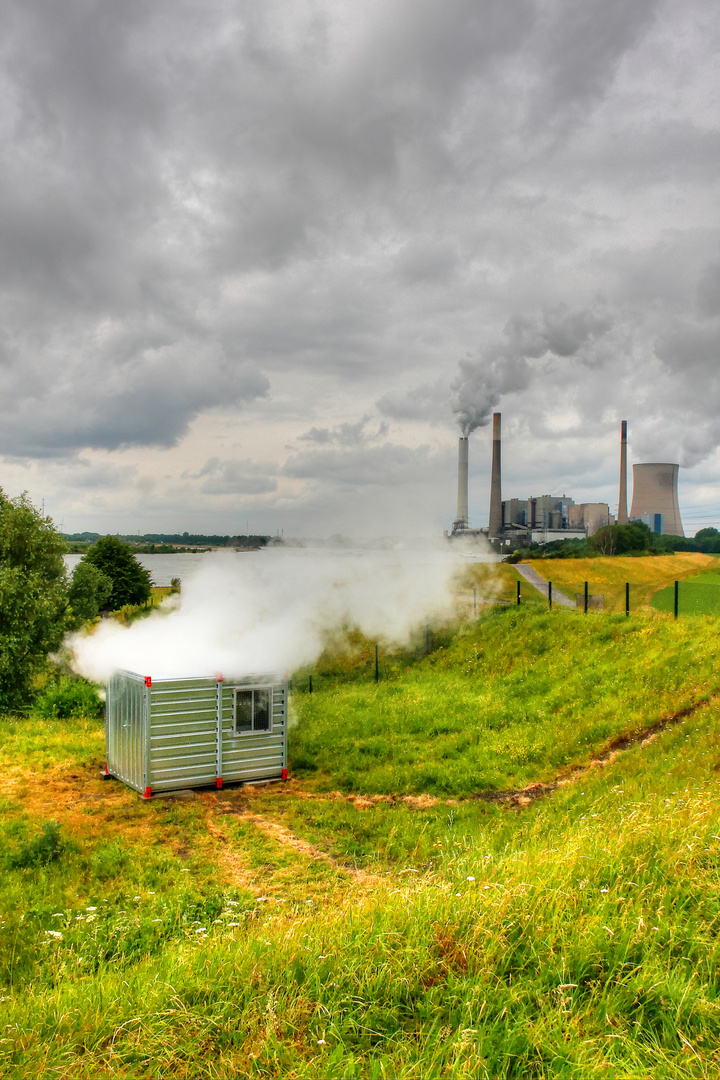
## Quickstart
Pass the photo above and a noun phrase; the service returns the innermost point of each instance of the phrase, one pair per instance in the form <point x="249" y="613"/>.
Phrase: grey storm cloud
<point x="237" y="477"/>
<point x="357" y="434"/>
<point x="385" y="465"/>
<point x="319" y="212"/>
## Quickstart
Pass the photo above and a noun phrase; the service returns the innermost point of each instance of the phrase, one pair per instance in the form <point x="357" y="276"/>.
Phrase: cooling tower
<point x="495" y="524"/>
<point x="461" y="521"/>
<point x="655" y="491"/>
<point x="622" y="514"/>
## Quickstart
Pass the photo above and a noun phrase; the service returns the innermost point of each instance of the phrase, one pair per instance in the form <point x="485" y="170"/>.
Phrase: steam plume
<point x="272" y="611"/>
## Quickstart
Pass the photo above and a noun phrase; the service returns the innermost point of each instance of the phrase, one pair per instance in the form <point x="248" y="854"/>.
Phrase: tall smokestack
<point x="495" y="522"/>
<point x="461" y="521"/>
<point x="622" y="514"/>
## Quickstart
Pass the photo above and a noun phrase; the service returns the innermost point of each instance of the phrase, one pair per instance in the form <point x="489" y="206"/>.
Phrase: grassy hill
<point x="698" y="595"/>
<point x="607" y="575"/>
<point x="500" y="861"/>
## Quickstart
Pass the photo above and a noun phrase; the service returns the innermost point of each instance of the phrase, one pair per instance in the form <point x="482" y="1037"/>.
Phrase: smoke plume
<point x="528" y="346"/>
<point x="273" y="611"/>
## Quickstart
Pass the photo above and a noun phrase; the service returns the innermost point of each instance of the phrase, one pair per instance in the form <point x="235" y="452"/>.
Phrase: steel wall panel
<point x="165" y="736"/>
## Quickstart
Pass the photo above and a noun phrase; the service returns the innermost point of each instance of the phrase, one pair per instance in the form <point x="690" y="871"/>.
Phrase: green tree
<point x="130" y="580"/>
<point x="33" y="597"/>
<point x="89" y="590"/>
<point x="623" y="539"/>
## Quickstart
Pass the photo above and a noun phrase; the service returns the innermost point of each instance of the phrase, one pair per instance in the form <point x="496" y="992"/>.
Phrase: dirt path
<point x="216" y="807"/>
<point x="616" y="747"/>
<point x="533" y="578"/>
<point x="519" y="796"/>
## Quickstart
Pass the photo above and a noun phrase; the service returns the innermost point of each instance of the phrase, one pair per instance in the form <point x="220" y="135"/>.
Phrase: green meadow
<point x="699" y="595"/>
<point x="501" y="860"/>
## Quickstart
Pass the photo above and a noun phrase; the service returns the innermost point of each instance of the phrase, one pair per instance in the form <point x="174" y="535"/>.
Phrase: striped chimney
<point x="496" y="521"/>
<point x="622" y="514"/>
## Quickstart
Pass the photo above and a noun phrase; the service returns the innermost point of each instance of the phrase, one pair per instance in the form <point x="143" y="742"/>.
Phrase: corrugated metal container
<point x="165" y="734"/>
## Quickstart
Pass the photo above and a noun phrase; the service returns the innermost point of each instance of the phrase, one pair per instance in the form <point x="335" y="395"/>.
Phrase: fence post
<point x="627" y="598"/>
<point x="677" y="591"/>
<point x="427" y="639"/>
<point x="586" y="597"/>
<point x="377" y="670"/>
<point x="310" y="690"/>
<point x="518" y="594"/>
<point x="474" y="602"/>
<point x="550" y="595"/>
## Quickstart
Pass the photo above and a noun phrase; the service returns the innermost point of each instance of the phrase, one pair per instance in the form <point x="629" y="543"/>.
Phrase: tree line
<point x="635" y="538"/>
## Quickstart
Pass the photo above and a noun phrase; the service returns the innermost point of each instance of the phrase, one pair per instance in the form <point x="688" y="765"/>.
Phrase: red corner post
<point x="218" y="680"/>
<point x="148" y="791"/>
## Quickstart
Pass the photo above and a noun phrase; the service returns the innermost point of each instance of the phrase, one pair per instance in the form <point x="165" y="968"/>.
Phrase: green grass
<point x="294" y="931"/>
<point x="504" y="704"/>
<point x="607" y="575"/>
<point x="699" y="595"/>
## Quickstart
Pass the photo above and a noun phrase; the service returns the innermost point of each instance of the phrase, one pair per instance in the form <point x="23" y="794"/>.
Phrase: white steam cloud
<point x="271" y="611"/>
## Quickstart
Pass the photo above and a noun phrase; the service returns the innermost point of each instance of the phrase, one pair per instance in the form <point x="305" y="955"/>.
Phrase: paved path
<point x="533" y="578"/>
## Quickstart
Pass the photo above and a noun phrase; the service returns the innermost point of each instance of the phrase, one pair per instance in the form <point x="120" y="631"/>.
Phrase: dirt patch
<point x="285" y="837"/>
<point x="230" y="862"/>
<point x="613" y="750"/>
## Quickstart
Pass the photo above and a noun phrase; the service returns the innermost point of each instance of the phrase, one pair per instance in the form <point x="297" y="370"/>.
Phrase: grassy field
<point x="496" y="911"/>
<point x="699" y="595"/>
<point x="607" y="575"/>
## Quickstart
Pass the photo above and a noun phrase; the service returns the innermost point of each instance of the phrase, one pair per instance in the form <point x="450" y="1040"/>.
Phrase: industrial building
<point x="519" y="522"/>
<point x="541" y="519"/>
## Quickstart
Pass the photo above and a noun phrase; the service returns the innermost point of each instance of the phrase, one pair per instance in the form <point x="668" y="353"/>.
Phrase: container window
<point x="253" y="710"/>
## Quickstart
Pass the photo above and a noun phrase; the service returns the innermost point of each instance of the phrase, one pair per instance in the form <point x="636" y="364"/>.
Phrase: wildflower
<point x="321" y="1042"/>
<point x="57" y="914"/>
<point x="469" y="878"/>
<point x="54" y="933"/>
<point x="91" y="909"/>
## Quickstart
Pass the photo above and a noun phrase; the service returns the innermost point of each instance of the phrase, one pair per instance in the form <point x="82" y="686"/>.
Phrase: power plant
<point x="543" y="518"/>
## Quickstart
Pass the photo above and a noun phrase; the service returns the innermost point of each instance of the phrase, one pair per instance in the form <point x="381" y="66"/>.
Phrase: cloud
<point x="347" y="434"/>
<point x="354" y="207"/>
<point x="388" y="465"/>
<point x="237" y="477"/>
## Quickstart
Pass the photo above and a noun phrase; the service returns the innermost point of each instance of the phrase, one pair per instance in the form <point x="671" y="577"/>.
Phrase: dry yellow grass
<point x="607" y="575"/>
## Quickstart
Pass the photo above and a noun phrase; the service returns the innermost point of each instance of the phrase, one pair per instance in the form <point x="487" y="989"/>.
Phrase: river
<point x="163" y="568"/>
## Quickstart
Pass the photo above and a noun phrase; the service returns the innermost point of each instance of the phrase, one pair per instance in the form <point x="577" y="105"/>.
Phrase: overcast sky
<point x="258" y="258"/>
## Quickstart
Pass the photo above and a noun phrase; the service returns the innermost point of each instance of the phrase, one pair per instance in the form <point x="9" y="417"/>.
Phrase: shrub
<point x="130" y="580"/>
<point x="49" y="846"/>
<point x="89" y="590"/>
<point x="69" y="697"/>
